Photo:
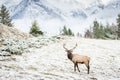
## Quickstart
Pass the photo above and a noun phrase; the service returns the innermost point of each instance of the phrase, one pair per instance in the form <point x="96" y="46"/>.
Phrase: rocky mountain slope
<point x="12" y="33"/>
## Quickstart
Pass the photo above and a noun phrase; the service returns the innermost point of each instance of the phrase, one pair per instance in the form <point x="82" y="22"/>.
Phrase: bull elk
<point x="76" y="58"/>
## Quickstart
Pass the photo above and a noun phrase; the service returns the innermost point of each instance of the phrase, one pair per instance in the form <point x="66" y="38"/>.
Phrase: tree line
<point x="100" y="31"/>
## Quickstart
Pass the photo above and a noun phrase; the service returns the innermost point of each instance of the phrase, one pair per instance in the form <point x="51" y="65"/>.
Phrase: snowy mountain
<point x="77" y="14"/>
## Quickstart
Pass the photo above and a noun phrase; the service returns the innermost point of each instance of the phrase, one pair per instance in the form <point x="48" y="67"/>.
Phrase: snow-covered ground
<point x="50" y="62"/>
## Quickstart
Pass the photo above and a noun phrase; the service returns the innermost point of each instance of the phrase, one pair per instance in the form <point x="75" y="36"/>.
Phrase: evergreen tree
<point x="107" y="29"/>
<point x="70" y="32"/>
<point x="96" y="29"/>
<point x="66" y="31"/>
<point x="114" y="28"/>
<point x="35" y="30"/>
<point x="118" y="24"/>
<point x="101" y="31"/>
<point x="4" y="16"/>
<point x="88" y="34"/>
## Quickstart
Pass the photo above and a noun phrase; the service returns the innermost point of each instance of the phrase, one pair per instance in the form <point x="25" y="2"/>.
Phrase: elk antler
<point x="64" y="47"/>
<point x="74" y="47"/>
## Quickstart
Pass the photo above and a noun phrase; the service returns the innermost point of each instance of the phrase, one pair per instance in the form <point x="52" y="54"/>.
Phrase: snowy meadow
<point x="44" y="58"/>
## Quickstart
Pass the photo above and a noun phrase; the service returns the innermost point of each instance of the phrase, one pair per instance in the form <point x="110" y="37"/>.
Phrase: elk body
<point x="76" y="58"/>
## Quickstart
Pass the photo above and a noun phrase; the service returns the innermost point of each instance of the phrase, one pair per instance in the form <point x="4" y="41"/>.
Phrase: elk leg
<point x="78" y="67"/>
<point x="88" y="67"/>
<point x="75" y="67"/>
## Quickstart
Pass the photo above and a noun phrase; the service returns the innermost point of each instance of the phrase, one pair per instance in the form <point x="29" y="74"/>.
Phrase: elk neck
<point x="70" y="56"/>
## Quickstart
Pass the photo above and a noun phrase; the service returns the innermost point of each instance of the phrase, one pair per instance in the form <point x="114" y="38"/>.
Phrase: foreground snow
<point x="50" y="62"/>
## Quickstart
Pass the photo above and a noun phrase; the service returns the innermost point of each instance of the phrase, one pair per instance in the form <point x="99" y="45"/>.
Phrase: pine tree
<point x="70" y="32"/>
<point x="35" y="30"/>
<point x="96" y="29"/>
<point x="118" y="24"/>
<point x="107" y="28"/>
<point x="87" y="34"/>
<point x="66" y="31"/>
<point x="4" y="16"/>
<point x="114" y="29"/>
<point x="101" y="31"/>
